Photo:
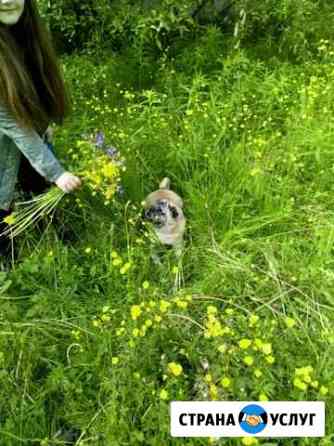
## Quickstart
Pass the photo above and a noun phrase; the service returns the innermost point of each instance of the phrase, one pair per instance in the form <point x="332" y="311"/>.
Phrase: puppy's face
<point x="162" y="213"/>
<point x="163" y="208"/>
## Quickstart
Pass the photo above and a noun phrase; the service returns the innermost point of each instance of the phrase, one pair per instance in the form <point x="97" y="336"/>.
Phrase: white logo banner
<point x="242" y="419"/>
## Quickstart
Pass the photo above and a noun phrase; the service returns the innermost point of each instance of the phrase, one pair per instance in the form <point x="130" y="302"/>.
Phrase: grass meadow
<point x="95" y="338"/>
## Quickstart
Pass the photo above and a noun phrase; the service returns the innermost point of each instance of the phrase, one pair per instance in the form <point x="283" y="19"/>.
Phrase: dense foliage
<point x="284" y="26"/>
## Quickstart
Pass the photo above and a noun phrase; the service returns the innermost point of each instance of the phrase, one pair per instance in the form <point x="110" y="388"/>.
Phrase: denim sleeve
<point x="32" y="146"/>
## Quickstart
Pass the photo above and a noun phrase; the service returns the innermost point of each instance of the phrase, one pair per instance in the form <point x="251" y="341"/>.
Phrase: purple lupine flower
<point x="111" y="151"/>
<point x="99" y="139"/>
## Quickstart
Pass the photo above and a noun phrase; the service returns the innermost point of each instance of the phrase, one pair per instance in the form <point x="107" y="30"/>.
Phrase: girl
<point x="32" y="94"/>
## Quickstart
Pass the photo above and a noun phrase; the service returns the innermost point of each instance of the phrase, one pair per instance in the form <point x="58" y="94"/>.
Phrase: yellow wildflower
<point x="297" y="382"/>
<point x="323" y="390"/>
<point x="258" y="343"/>
<point x="109" y="170"/>
<point x="125" y="268"/>
<point x="253" y="320"/>
<point x="249" y="441"/>
<point x="164" y="305"/>
<point x="213" y="391"/>
<point x="208" y="378"/>
<point x="249" y="360"/>
<point x="175" y="369"/>
<point x="118" y="261"/>
<point x="303" y="371"/>
<point x="289" y="322"/>
<point x="263" y="397"/>
<point x="270" y="359"/>
<point x="135" y="332"/>
<point x="135" y="312"/>
<point x="211" y="310"/>
<point x="307" y="379"/>
<point x="257" y="373"/>
<point x="225" y="382"/>
<point x="229" y="311"/>
<point x="244" y="343"/>
<point x="10" y="219"/>
<point x="163" y="394"/>
<point x="181" y="304"/>
<point x="222" y="348"/>
<point x="213" y="328"/>
<point x="266" y="348"/>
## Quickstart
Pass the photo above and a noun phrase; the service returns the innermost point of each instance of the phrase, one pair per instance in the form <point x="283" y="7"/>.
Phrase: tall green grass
<point x="87" y="342"/>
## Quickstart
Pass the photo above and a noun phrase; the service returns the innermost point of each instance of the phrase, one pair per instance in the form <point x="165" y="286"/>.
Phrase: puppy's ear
<point x="165" y="183"/>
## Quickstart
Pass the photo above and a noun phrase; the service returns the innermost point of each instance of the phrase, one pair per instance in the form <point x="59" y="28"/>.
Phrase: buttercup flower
<point x="289" y="322"/>
<point x="163" y="394"/>
<point x="211" y="310"/>
<point x="263" y="397"/>
<point x="249" y="360"/>
<point x="253" y="320"/>
<point x="164" y="305"/>
<point x="10" y="219"/>
<point x="244" y="343"/>
<point x="225" y="382"/>
<point x="135" y="312"/>
<point x="175" y="369"/>
<point x="323" y="390"/>
<point x="249" y="441"/>
<point x="297" y="382"/>
<point x="257" y="373"/>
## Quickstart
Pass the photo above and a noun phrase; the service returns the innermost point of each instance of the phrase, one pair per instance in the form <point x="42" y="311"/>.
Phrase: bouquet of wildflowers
<point x="98" y="164"/>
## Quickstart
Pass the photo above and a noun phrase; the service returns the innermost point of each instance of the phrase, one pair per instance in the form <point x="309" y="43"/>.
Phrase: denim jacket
<point x="15" y="140"/>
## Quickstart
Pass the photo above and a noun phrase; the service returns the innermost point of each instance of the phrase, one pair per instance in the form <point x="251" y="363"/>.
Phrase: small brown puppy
<point x="163" y="208"/>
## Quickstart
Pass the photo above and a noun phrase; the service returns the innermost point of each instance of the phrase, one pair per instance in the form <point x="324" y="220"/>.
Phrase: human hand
<point x="68" y="182"/>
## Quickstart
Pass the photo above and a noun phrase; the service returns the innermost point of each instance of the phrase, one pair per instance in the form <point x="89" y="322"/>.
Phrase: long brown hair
<point x="31" y="81"/>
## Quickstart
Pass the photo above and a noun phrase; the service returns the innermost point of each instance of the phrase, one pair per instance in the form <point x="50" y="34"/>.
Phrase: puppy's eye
<point x="173" y="211"/>
<point x="149" y="213"/>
